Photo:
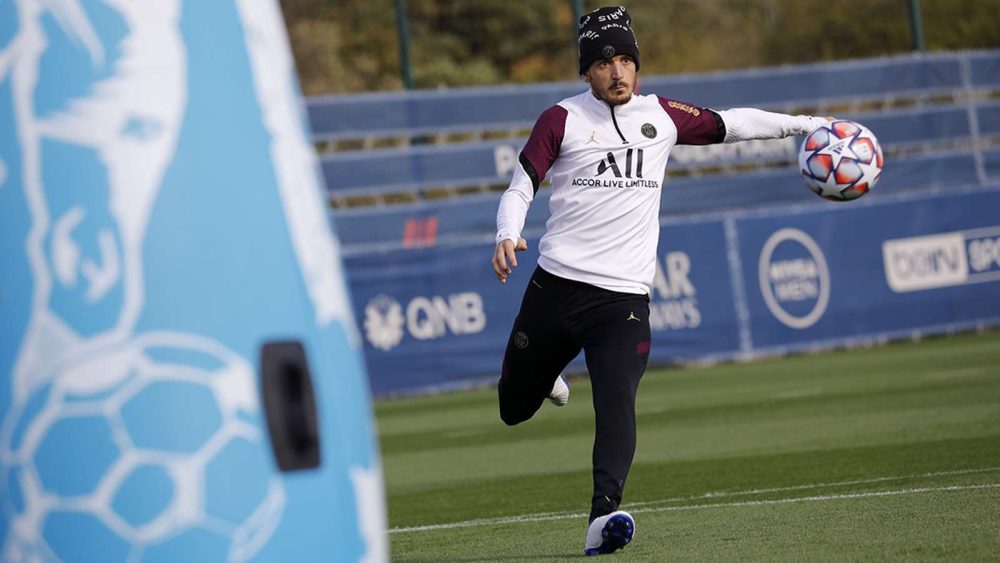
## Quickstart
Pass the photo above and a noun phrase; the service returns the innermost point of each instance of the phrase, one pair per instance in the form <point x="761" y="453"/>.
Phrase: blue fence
<point x="367" y="230"/>
<point x="750" y="262"/>
<point x="732" y="286"/>
<point x="493" y="162"/>
<point x="437" y="111"/>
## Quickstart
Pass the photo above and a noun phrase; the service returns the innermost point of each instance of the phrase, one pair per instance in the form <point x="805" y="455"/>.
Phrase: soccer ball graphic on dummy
<point x="149" y="450"/>
<point x="841" y="160"/>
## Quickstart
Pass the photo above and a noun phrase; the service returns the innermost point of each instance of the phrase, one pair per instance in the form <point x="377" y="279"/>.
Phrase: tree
<point x="351" y="45"/>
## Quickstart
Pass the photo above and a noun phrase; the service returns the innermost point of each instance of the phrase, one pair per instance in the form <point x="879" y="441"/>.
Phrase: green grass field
<point x="890" y="453"/>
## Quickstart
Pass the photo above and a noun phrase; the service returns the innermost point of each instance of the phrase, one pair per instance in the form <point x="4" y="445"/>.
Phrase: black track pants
<point x="558" y="318"/>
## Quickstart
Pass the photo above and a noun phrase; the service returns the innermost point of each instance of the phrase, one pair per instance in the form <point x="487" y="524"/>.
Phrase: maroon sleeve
<point x="543" y="145"/>
<point x="695" y="125"/>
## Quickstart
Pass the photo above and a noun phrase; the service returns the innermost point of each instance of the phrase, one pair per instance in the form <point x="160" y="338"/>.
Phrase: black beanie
<point x="604" y="33"/>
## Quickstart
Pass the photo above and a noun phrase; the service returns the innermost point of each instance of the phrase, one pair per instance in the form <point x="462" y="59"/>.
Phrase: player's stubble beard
<point x="617" y="93"/>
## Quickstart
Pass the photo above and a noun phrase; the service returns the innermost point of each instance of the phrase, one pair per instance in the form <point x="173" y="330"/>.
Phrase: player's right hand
<point x="504" y="257"/>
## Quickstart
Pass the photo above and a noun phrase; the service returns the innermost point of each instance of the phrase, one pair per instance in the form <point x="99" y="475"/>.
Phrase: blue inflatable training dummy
<point x="180" y="378"/>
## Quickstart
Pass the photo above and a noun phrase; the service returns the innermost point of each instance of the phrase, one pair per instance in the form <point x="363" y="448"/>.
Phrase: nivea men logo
<point x="794" y="278"/>
<point x="609" y="163"/>
<point x="942" y="260"/>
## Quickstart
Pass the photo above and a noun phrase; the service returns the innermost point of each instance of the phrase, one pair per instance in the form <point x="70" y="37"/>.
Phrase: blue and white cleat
<point x="559" y="395"/>
<point x="609" y="533"/>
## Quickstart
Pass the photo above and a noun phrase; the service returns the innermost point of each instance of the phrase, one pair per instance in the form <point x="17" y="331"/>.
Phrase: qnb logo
<point x="384" y="322"/>
<point x="424" y="318"/>
<point x="942" y="260"/>
<point x="610" y="163"/>
<point x="794" y="278"/>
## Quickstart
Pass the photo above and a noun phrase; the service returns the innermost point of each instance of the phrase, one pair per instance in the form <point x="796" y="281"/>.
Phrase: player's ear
<point x="586" y="76"/>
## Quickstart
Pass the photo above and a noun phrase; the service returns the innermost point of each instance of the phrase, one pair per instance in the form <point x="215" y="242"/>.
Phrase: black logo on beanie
<point x="604" y="33"/>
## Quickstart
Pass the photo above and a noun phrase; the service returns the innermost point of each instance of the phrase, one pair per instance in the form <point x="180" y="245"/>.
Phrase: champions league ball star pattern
<point x="841" y="160"/>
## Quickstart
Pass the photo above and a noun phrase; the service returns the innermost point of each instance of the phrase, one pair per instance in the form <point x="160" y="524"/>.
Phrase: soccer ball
<point x="841" y="160"/>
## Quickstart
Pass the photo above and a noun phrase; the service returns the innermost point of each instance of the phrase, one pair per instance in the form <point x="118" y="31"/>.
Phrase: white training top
<point x="606" y="165"/>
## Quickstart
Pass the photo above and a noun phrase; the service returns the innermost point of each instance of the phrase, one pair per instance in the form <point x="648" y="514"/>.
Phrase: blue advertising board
<point x="692" y="303"/>
<point x="731" y="285"/>
<point x="882" y="269"/>
<point x="173" y="301"/>
<point x="434" y="317"/>
<point x="437" y="317"/>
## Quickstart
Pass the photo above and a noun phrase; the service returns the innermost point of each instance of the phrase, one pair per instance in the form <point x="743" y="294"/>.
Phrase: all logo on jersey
<point x="621" y="169"/>
<point x="609" y="163"/>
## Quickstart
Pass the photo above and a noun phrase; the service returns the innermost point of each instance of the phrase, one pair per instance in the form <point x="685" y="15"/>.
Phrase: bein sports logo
<point x="942" y="260"/>
<point x="425" y="318"/>
<point x="794" y="278"/>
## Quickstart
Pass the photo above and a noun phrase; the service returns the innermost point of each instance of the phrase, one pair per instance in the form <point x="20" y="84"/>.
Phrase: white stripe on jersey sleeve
<point x="514" y="206"/>
<point x="743" y="124"/>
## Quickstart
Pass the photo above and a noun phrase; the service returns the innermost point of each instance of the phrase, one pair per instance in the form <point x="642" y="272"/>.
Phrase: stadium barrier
<point x="493" y="162"/>
<point x="433" y="315"/>
<point x="733" y="285"/>
<point x="435" y="112"/>
<point x="373" y="229"/>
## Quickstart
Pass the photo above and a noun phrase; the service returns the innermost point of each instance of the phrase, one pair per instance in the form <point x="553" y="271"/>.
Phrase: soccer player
<point x="605" y="151"/>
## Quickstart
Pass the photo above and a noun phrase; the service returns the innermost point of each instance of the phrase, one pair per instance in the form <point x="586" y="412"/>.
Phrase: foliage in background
<point x="351" y="45"/>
